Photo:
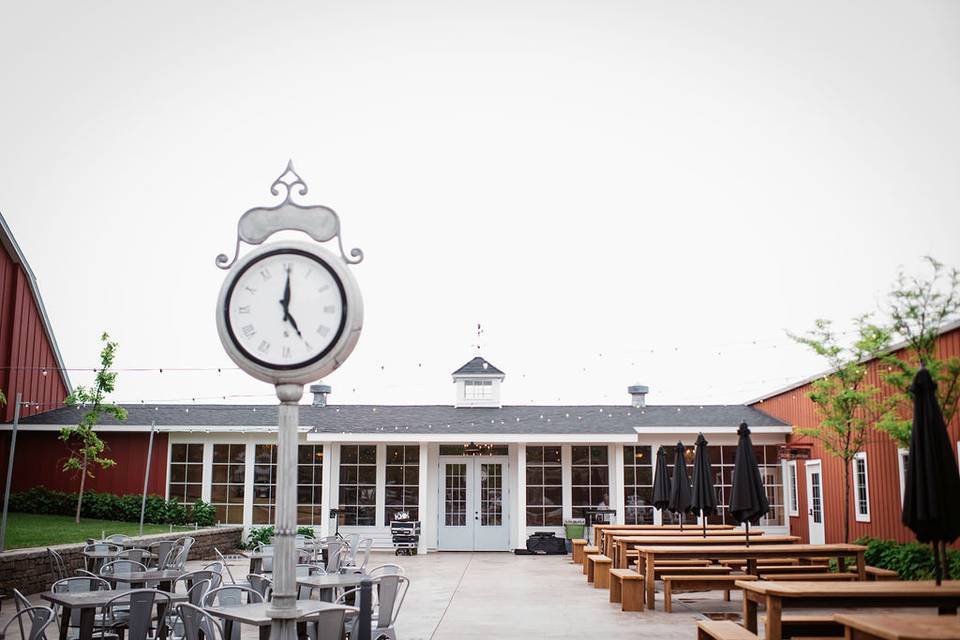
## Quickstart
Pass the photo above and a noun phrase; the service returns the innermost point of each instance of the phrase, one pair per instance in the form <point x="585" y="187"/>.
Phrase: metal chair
<point x="336" y="550"/>
<point x="39" y="617"/>
<point x="261" y="584"/>
<point x="198" y="624"/>
<point x="120" y="567"/>
<point x="79" y="584"/>
<point x="231" y="596"/>
<point x="137" y="555"/>
<point x="160" y="548"/>
<point x="131" y="612"/>
<point x="326" y="624"/>
<point x="226" y="565"/>
<point x="386" y="570"/>
<point x="303" y="571"/>
<point x="359" y="556"/>
<point x="266" y="563"/>
<point x="188" y="579"/>
<point x="389" y="592"/>
<point x="94" y="564"/>
<point x="57" y="566"/>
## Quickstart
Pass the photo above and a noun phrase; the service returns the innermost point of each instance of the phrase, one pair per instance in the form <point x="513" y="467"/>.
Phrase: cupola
<point x="478" y="384"/>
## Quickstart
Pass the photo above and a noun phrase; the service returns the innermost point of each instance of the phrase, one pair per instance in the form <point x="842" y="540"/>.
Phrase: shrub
<point x="263" y="535"/>
<point x="911" y="560"/>
<point x="107" y="506"/>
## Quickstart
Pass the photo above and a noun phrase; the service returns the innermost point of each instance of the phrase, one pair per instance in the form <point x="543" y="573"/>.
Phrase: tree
<point x="846" y="402"/>
<point x="918" y="307"/>
<point x="85" y="445"/>
<point x="3" y="399"/>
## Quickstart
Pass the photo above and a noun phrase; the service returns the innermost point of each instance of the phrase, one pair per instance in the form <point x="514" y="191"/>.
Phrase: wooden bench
<point x="779" y="569"/>
<point x="632" y="559"/>
<point x="698" y="583"/>
<point x="659" y="572"/>
<point x="761" y="562"/>
<point x="723" y="630"/>
<point x="598" y="570"/>
<point x="626" y="587"/>
<point x="578" y="545"/>
<point x="587" y="550"/>
<point x="808" y="626"/>
<point x="876" y="573"/>
<point x="808" y="577"/>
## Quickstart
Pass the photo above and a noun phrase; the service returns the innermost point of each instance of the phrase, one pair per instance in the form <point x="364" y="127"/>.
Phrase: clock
<point x="289" y="312"/>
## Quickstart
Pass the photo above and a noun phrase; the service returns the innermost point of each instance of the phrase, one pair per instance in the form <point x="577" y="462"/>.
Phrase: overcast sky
<point x="618" y="192"/>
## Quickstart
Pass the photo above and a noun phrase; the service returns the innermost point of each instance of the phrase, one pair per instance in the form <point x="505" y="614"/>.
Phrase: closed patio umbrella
<point x="704" y="495"/>
<point x="680" y="498"/>
<point x="930" y="501"/>
<point x="748" y="498"/>
<point x="661" y="482"/>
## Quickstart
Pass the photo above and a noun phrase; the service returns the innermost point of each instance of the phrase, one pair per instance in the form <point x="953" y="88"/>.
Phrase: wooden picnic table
<point x="256" y="614"/>
<point x="138" y="579"/>
<point x="649" y="555"/>
<point x="873" y="626"/>
<point x="607" y="538"/>
<point x="599" y="528"/>
<point x="622" y="544"/>
<point x="89" y="601"/>
<point x="777" y="596"/>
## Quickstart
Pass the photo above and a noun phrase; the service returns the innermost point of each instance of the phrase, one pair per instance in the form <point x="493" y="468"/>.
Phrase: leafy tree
<point x="3" y="399"/>
<point x="918" y="307"/>
<point x="847" y="403"/>
<point x="85" y="445"/>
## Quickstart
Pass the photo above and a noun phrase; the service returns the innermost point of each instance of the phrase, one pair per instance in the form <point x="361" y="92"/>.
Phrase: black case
<point x="546" y="543"/>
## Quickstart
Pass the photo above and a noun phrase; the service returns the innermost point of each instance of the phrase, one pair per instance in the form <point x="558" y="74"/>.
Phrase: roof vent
<point x="638" y="395"/>
<point x="320" y="393"/>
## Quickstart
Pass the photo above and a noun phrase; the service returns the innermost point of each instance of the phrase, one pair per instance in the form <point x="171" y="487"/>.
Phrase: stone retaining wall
<point x="29" y="570"/>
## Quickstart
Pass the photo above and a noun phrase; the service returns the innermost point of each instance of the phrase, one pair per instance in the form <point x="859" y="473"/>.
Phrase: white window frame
<point x="861" y="516"/>
<point x="902" y="455"/>
<point x="478" y="389"/>
<point x="793" y="499"/>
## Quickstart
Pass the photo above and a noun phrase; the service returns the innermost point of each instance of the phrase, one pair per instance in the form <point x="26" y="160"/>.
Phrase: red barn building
<point x="814" y="486"/>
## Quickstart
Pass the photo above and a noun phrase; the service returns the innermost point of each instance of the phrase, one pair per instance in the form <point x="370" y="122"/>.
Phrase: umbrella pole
<point x="748" y="532"/>
<point x="704" y="517"/>
<point x="937" y="574"/>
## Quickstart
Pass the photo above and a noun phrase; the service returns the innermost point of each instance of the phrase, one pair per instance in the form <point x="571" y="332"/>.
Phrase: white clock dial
<point x="286" y="309"/>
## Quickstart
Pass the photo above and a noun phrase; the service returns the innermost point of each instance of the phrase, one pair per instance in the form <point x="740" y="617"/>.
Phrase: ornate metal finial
<point x="317" y="221"/>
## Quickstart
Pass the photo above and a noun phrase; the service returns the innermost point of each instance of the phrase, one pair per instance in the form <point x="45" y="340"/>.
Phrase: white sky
<point x="619" y="192"/>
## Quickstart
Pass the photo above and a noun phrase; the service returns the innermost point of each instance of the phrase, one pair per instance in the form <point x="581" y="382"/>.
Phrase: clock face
<point x="286" y="309"/>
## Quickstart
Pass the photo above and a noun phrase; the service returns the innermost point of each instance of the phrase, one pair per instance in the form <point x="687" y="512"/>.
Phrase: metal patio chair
<point x="161" y="549"/>
<point x="389" y="592"/>
<point x="231" y="596"/>
<point x="130" y="613"/>
<point x="57" y="566"/>
<point x="39" y="618"/>
<point x="198" y="624"/>
<point x="261" y="584"/>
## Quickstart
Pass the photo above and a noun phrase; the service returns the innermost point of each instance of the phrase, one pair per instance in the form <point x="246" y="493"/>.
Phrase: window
<point x="638" y="484"/>
<point x="455" y="500"/>
<point x="358" y="485"/>
<point x="478" y="389"/>
<point x="903" y="457"/>
<point x="860" y="489"/>
<point x="544" y="487"/>
<point x="265" y="484"/>
<point x="590" y="477"/>
<point x="403" y="482"/>
<point x="226" y="486"/>
<point x="794" y="500"/>
<point x="310" y="484"/>
<point x="186" y="472"/>
<point x="771" y="472"/>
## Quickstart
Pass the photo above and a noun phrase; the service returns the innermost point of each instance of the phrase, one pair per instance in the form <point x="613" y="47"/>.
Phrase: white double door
<point x="474" y="512"/>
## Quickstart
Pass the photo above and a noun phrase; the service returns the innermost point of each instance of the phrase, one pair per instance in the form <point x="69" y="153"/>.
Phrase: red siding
<point x="25" y="348"/>
<point x="40" y="457"/>
<point x="795" y="408"/>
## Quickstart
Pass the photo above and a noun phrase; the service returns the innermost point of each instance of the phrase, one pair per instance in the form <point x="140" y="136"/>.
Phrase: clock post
<point x="289" y="313"/>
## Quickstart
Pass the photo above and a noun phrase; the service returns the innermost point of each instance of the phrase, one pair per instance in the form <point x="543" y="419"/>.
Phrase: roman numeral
<point x="264" y="346"/>
<point x="244" y="309"/>
<point x="248" y="330"/>
<point x="323" y="330"/>
<point x="286" y="352"/>
<point x="265" y="274"/>
<point x="308" y="346"/>
<point x="250" y="289"/>
<point x="323" y="288"/>
<point x="309" y="271"/>
<point x="329" y="308"/>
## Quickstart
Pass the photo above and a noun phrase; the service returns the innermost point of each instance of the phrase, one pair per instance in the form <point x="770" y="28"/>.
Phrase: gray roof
<point x="437" y="419"/>
<point x="478" y="366"/>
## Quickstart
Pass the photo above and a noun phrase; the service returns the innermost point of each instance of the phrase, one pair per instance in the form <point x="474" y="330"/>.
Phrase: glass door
<point x="473" y="504"/>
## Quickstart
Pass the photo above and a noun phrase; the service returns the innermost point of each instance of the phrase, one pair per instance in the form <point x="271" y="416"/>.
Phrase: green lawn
<point x="32" y="530"/>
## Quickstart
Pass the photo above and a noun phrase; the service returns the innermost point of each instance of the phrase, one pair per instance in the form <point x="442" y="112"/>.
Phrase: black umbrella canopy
<point x="661" y="482"/>
<point x="680" y="498"/>
<point x="704" y="495"/>
<point x="748" y="498"/>
<point x="931" y="507"/>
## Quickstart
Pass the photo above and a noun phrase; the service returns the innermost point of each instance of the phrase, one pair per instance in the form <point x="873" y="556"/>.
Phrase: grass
<point x="34" y="530"/>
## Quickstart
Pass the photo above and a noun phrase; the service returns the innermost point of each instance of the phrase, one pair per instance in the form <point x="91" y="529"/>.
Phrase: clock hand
<point x="293" y="323"/>
<point x="285" y="302"/>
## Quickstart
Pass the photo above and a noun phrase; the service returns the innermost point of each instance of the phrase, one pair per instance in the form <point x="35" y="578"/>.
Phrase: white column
<point x="617" y="491"/>
<point x="520" y="493"/>
<point x="381" y="485"/>
<point x="249" y="460"/>
<point x="423" y="494"/>
<point x="207" y="471"/>
<point x="325" y="502"/>
<point x="334" y="482"/>
<point x="566" y="475"/>
<point x="430" y="512"/>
